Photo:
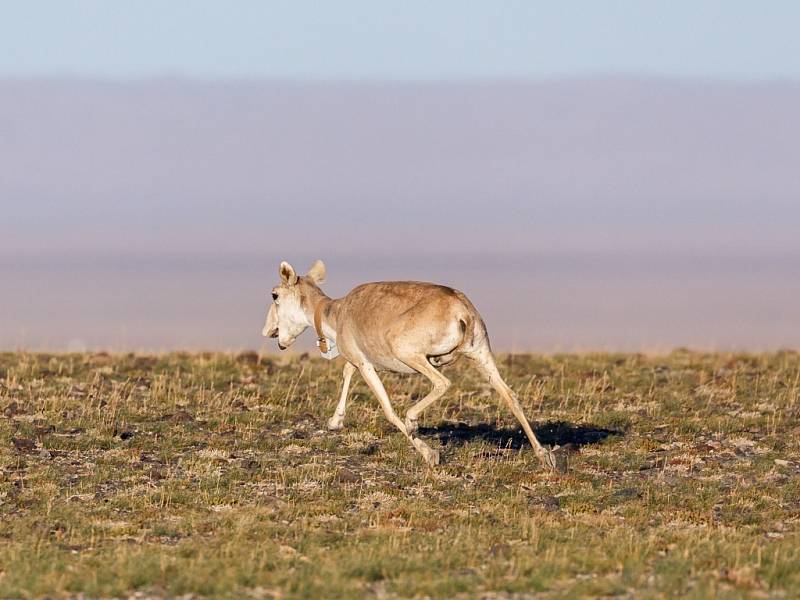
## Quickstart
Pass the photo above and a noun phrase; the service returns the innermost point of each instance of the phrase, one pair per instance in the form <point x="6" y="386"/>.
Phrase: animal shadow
<point x="552" y="433"/>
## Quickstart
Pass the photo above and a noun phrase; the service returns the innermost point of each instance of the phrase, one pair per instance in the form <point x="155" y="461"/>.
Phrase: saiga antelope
<point x="399" y="326"/>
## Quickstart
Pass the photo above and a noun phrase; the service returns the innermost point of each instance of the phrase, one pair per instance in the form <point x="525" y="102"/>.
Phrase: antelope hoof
<point x="554" y="460"/>
<point x="412" y="425"/>
<point x="430" y="455"/>
<point x="335" y="424"/>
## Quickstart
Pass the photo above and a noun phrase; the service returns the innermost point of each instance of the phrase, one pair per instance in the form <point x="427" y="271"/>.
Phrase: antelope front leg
<point x="336" y="422"/>
<point x="374" y="382"/>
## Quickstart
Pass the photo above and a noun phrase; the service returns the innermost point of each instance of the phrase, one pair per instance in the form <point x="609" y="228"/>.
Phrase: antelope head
<point x="288" y="315"/>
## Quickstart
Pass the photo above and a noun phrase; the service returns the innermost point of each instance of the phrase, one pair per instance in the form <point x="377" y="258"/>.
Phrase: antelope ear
<point x="317" y="272"/>
<point x="288" y="276"/>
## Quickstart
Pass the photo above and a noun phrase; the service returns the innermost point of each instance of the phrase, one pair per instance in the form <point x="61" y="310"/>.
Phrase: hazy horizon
<point x="606" y="213"/>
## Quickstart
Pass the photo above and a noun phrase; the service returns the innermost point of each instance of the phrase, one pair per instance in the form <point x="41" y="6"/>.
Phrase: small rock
<point x="248" y="357"/>
<point x="181" y="417"/>
<point x="45" y="429"/>
<point x="370" y="449"/>
<point x="345" y="475"/>
<point x="148" y="458"/>
<point x="653" y="464"/>
<point x="238" y="404"/>
<point x="627" y="493"/>
<point x="80" y="498"/>
<point x="77" y="391"/>
<point x="45" y="455"/>
<point x="272" y="501"/>
<point x="499" y="550"/>
<point x="24" y="444"/>
<point x="550" y="503"/>
<point x="12" y="409"/>
<point x="782" y="463"/>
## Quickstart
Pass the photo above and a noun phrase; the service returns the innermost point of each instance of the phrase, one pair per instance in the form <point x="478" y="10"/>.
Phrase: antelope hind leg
<point x="484" y="361"/>
<point x="440" y="386"/>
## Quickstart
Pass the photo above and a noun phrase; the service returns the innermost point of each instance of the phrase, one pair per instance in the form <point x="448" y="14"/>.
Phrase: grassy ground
<point x="213" y="476"/>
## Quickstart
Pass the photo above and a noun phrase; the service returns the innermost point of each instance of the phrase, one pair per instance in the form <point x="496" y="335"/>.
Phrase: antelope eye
<point x="274" y="295"/>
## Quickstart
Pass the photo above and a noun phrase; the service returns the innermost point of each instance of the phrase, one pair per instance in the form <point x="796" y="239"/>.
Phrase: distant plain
<point x="605" y="213"/>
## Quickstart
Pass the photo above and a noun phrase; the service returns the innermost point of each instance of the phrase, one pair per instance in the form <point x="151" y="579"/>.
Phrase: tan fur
<point x="399" y="326"/>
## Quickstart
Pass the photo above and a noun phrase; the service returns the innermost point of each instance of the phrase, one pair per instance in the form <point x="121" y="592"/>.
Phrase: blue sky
<point x="399" y="41"/>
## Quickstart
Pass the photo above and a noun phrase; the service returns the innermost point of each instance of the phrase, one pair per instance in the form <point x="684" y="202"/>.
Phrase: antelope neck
<point x="320" y="308"/>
